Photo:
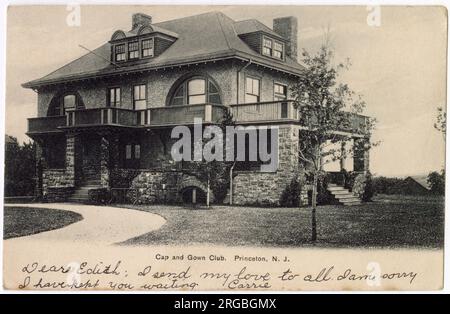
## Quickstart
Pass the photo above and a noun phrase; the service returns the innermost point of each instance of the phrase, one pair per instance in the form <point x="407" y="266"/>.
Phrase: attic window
<point x="120" y="52"/>
<point x="133" y="50"/>
<point x="273" y="48"/>
<point x="147" y="48"/>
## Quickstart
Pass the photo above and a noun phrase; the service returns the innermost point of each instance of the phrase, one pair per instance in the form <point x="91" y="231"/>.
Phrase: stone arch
<point x="188" y="76"/>
<point x="189" y="182"/>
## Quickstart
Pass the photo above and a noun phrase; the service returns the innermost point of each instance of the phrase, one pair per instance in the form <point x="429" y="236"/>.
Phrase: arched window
<point x="61" y="103"/>
<point x="196" y="90"/>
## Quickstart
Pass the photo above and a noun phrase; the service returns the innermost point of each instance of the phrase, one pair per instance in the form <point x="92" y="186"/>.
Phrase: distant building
<point x="417" y="185"/>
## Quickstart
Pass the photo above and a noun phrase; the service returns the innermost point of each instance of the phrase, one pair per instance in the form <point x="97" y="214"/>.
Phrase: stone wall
<point x="253" y="187"/>
<point x="148" y="186"/>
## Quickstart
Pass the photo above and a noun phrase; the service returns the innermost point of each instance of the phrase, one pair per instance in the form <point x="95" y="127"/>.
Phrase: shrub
<point x="99" y="196"/>
<point x="290" y="195"/>
<point x="436" y="181"/>
<point x="363" y="187"/>
<point x="323" y="195"/>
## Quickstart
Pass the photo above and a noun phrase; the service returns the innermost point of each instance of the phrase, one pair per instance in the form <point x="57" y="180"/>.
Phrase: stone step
<point x="339" y="192"/>
<point x="345" y="196"/>
<point x="336" y="188"/>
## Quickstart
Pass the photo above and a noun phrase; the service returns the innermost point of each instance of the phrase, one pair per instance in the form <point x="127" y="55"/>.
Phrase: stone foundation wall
<point x="58" y="194"/>
<point x="148" y="186"/>
<point x="258" y="188"/>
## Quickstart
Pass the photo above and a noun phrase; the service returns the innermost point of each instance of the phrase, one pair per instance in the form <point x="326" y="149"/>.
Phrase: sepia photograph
<point x="224" y="148"/>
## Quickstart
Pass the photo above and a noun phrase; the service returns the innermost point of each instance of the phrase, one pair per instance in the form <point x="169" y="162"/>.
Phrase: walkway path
<point x="100" y="224"/>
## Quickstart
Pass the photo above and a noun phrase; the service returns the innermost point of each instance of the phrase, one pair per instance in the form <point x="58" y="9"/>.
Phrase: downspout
<point x="231" y="183"/>
<point x="238" y="82"/>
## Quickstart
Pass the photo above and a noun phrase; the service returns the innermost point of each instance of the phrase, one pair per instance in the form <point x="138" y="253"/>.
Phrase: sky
<point x="398" y="63"/>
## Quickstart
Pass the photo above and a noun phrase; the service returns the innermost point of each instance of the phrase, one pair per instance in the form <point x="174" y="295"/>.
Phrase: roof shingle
<point x="200" y="38"/>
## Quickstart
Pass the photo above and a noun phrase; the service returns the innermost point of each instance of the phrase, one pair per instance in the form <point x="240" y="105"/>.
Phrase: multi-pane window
<point x="267" y="47"/>
<point x="196" y="90"/>
<point x="278" y="50"/>
<point x="133" y="50"/>
<point x="252" y="90"/>
<point x="120" y="52"/>
<point x="179" y="96"/>
<point x="140" y="97"/>
<point x="147" y="48"/>
<point x="114" y="97"/>
<point x="273" y="48"/>
<point x="280" y="91"/>
<point x="131" y="155"/>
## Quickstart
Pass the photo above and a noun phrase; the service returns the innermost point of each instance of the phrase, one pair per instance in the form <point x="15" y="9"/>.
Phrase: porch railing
<point x="264" y="111"/>
<point x="45" y="124"/>
<point x="101" y="116"/>
<point x="180" y="114"/>
<point x="273" y="111"/>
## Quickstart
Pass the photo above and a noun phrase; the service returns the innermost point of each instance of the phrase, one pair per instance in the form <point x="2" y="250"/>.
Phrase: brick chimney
<point x="287" y="28"/>
<point x="141" y="19"/>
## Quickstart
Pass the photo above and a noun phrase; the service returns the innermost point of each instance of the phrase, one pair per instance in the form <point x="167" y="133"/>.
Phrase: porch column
<point x="104" y="161"/>
<point x="40" y="163"/>
<point x="70" y="158"/>
<point x="366" y="156"/>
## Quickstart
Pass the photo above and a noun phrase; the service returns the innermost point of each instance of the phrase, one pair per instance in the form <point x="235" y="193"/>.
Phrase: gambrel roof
<point x="204" y="37"/>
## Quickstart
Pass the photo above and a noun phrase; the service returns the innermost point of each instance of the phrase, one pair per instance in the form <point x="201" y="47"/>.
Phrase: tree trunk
<point x="207" y="194"/>
<point x="313" y="210"/>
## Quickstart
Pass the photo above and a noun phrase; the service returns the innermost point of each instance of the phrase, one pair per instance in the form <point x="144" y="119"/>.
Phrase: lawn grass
<point x="383" y="223"/>
<point x="23" y="221"/>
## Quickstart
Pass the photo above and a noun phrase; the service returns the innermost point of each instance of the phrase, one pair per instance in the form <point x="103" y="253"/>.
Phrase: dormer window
<point x="133" y="50"/>
<point x="267" y="47"/>
<point x="278" y="50"/>
<point x="273" y="48"/>
<point x="120" y="52"/>
<point x="147" y="47"/>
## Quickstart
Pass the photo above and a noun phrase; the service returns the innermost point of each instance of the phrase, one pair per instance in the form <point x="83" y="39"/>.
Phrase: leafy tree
<point x="20" y="163"/>
<point x="214" y="174"/>
<point x="436" y="181"/>
<point x="325" y="107"/>
<point x="441" y="121"/>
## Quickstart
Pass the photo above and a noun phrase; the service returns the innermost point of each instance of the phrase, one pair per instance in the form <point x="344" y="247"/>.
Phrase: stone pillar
<point x="40" y="162"/>
<point x="366" y="156"/>
<point x="104" y="161"/>
<point x="70" y="159"/>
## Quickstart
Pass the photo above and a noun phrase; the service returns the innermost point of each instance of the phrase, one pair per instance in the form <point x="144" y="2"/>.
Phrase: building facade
<point x="104" y="120"/>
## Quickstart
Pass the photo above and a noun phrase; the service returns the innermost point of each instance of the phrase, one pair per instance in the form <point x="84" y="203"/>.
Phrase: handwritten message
<point x="190" y="273"/>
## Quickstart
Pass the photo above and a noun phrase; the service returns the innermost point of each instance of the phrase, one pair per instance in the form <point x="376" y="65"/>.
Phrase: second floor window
<point x="69" y="102"/>
<point x="279" y="91"/>
<point x="252" y="90"/>
<point x="273" y="48"/>
<point x="133" y="50"/>
<point x="114" y="97"/>
<point x="278" y="50"/>
<point x="140" y="97"/>
<point x="147" y="48"/>
<point x="120" y="52"/>
<point x="267" y="47"/>
<point x="196" y="90"/>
